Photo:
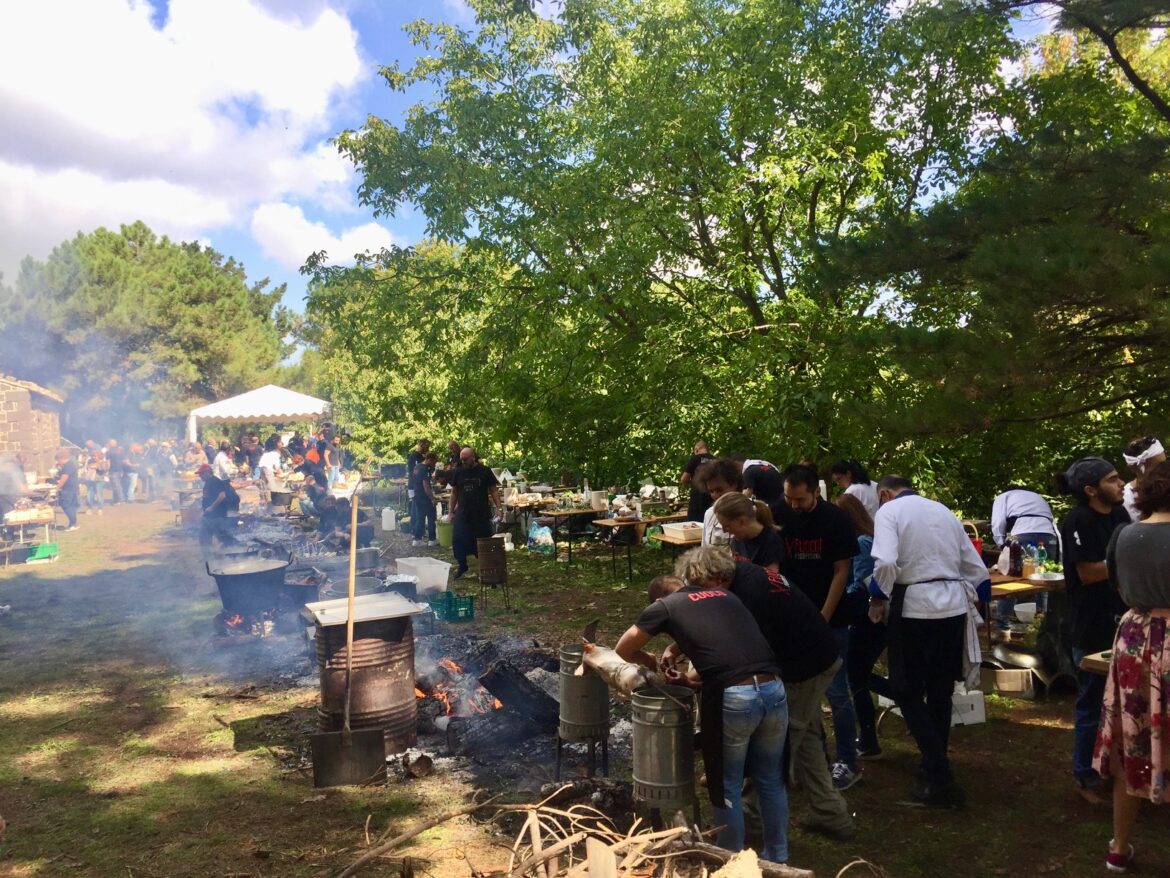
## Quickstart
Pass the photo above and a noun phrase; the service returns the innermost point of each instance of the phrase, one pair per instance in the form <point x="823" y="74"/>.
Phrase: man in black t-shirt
<point x="1095" y="603"/>
<point x="474" y="492"/>
<point x="424" y="500"/>
<point x="68" y="487"/>
<point x="762" y="481"/>
<point x="699" y="500"/>
<point x="744" y="705"/>
<point x="809" y="659"/>
<point x="218" y="498"/>
<point x="819" y="545"/>
<point x="413" y="459"/>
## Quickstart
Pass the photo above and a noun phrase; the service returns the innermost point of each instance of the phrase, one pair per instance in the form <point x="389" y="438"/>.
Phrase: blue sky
<point x="207" y="119"/>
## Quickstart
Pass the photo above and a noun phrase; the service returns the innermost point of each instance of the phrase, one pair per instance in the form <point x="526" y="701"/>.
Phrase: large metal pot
<point x="664" y="746"/>
<point x="249" y="586"/>
<point x="281" y="498"/>
<point x="584" y="701"/>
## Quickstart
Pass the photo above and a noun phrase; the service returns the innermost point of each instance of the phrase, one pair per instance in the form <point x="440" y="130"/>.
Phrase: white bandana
<point x="1151" y="452"/>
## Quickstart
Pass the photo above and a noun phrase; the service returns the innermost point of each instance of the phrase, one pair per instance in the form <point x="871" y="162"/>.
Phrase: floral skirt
<point x="1133" y="743"/>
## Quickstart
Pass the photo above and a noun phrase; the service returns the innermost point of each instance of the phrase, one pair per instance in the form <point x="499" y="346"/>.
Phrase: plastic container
<point x="43" y="551"/>
<point x="388" y="519"/>
<point x="450" y="607"/>
<point x="1026" y="612"/>
<point x="445" y="533"/>
<point x="683" y="529"/>
<point x="431" y="572"/>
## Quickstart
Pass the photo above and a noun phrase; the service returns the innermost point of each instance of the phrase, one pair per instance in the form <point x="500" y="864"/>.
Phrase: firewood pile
<point x="580" y="841"/>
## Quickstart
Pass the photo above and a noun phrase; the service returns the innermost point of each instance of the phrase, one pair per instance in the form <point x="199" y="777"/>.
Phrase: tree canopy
<point x="137" y="329"/>
<point x="821" y="229"/>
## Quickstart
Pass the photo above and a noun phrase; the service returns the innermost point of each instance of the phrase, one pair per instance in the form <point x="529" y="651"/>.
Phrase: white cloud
<point x="108" y="118"/>
<point x="287" y="236"/>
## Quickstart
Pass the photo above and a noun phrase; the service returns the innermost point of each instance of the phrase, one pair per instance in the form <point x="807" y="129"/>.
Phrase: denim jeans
<point x="841" y="703"/>
<point x="129" y="486"/>
<point x="334" y="475"/>
<point x="755" y="722"/>
<point x="93" y="494"/>
<point x="1090" y="695"/>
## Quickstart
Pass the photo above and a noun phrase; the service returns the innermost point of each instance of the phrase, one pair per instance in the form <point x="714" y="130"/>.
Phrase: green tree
<point x="654" y="184"/>
<point x="136" y="329"/>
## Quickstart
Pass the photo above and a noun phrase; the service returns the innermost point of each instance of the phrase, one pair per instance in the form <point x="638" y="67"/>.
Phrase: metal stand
<point x="591" y="769"/>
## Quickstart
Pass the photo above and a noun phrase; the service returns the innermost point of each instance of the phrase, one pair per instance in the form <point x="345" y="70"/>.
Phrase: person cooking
<point x="743" y="705"/>
<point x="219" y="497"/>
<point x="474" y="493"/>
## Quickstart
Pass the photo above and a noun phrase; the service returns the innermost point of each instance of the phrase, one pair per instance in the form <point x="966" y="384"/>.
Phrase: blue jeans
<point x="129" y="486"/>
<point x="334" y="475"/>
<point x="1090" y="695"/>
<point x="93" y="494"/>
<point x="841" y="703"/>
<point x="755" y="723"/>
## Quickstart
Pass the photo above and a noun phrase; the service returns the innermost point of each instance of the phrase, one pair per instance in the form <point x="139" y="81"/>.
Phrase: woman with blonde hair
<point x="754" y="537"/>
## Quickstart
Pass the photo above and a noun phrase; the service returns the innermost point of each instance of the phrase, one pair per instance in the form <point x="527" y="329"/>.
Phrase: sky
<point x="208" y="120"/>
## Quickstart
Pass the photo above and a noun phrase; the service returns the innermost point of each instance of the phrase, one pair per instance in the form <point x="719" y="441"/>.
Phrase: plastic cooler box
<point x="683" y="529"/>
<point x="432" y="573"/>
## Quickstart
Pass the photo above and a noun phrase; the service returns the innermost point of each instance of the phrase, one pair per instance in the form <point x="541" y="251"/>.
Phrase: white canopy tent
<point x="265" y="404"/>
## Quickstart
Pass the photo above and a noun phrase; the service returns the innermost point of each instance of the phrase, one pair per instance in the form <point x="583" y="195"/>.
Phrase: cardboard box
<point x="967" y="708"/>
<point x="1012" y="682"/>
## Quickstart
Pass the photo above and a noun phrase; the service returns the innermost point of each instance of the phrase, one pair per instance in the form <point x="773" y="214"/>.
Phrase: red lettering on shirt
<point x="703" y="595"/>
<point x="805" y="550"/>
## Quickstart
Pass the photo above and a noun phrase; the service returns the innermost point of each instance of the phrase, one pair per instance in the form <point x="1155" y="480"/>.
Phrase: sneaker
<point x="71" y="527"/>
<point x="869" y="752"/>
<point x="432" y="542"/>
<point x="1092" y="792"/>
<point x="416" y="542"/>
<point x="459" y="573"/>
<point x="99" y="512"/>
<point x="1119" y="862"/>
<point x="844" y="777"/>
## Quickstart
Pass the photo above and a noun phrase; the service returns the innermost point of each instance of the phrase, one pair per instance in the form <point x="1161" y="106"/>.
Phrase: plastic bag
<point x="540" y="539"/>
<point x="654" y="530"/>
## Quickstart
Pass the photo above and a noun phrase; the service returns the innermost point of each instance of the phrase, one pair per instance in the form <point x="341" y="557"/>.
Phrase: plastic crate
<point x="450" y="607"/>
<point x="431" y="572"/>
<point x="43" y="552"/>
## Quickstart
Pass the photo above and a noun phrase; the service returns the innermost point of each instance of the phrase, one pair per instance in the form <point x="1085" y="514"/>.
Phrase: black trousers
<point x="867" y="641"/>
<point x="926" y="658"/>
<point x="463" y="537"/>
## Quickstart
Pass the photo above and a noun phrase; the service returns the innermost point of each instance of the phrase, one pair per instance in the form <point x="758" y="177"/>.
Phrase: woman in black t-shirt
<point x="754" y="537"/>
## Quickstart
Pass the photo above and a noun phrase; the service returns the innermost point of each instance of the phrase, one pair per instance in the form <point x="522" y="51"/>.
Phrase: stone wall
<point x="30" y="424"/>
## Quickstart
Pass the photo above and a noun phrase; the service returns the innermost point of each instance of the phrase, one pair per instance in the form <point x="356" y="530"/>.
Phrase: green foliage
<point x="136" y="329"/>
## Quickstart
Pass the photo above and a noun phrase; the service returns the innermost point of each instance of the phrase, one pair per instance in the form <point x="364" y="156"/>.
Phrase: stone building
<point x="30" y="422"/>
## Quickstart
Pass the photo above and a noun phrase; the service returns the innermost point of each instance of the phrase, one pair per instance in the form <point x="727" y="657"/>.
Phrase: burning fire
<point x="460" y="695"/>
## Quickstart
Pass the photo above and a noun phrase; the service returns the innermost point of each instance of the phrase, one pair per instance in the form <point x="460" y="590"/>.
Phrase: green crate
<point x="43" y="551"/>
<point x="450" y="607"/>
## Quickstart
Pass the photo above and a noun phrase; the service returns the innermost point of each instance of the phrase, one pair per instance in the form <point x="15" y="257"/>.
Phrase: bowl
<point x="1047" y="576"/>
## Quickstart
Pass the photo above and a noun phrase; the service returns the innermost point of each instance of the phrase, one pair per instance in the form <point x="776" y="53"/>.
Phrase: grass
<point x="123" y="754"/>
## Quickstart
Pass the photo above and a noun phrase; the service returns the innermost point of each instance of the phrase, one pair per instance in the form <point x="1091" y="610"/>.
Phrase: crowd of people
<point x="791" y="600"/>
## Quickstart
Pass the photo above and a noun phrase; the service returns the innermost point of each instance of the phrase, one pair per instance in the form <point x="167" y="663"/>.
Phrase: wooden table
<point x="1051" y="639"/>
<point x="1097" y="662"/>
<point x="614" y="523"/>
<point x="559" y="515"/>
<point x="677" y="543"/>
<point x="19" y="527"/>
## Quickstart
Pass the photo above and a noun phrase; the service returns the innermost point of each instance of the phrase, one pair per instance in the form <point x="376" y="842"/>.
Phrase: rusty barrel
<point x="493" y="561"/>
<point x="584" y="701"/>
<point x="382" y="681"/>
<point x="664" y="746"/>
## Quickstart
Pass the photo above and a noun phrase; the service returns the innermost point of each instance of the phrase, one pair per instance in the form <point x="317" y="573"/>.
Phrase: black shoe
<point x="459" y="573"/>
<point x="948" y="797"/>
<point x="869" y="751"/>
<point x="836" y="833"/>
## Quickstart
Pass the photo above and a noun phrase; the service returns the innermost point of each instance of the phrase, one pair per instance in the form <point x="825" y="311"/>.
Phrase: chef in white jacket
<point x="928" y="571"/>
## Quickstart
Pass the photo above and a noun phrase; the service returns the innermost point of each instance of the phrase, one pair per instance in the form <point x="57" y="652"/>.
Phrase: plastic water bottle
<point x="1041" y="554"/>
<point x="586" y="494"/>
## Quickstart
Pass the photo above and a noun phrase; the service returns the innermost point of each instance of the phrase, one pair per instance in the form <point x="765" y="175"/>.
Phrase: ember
<point x="459" y="694"/>
<point x="235" y="624"/>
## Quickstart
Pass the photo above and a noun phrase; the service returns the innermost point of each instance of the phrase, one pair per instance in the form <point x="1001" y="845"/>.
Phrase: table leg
<point x="612" y="554"/>
<point x="630" y="561"/>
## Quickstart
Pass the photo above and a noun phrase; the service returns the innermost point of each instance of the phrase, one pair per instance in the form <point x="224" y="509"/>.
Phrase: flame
<point x="460" y="696"/>
<point x="235" y="620"/>
<point x="450" y="666"/>
<point x="418" y="693"/>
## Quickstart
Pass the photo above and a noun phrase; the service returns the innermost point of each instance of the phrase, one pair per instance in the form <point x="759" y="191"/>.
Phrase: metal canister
<point x="584" y="712"/>
<point x="664" y="746"/>
<point x="382" y="681"/>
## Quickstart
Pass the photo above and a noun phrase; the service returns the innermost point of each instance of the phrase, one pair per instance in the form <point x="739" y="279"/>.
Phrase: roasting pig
<point x="620" y="675"/>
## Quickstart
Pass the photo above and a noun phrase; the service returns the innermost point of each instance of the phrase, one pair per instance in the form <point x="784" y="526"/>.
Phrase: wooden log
<point x="504" y="680"/>
<point x="716" y="856"/>
<point x="484" y="733"/>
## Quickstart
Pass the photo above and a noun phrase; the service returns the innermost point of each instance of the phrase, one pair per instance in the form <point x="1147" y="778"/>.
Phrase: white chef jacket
<point x="1127" y="498"/>
<point x="867" y="494"/>
<point x="711" y="527"/>
<point x="920" y="543"/>
<point x="223" y="468"/>
<point x="1032" y="513"/>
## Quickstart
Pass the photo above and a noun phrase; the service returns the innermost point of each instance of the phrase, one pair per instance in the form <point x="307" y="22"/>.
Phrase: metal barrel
<point x="493" y="561"/>
<point x="584" y="701"/>
<point x="664" y="746"/>
<point x="382" y="681"/>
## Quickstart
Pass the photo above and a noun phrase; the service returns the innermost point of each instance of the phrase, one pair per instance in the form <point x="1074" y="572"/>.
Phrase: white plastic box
<point x="967" y="708"/>
<point x="683" y="529"/>
<point x="432" y="573"/>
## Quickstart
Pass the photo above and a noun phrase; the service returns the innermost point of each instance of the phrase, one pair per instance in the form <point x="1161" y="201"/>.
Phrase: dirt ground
<point x="133" y="742"/>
